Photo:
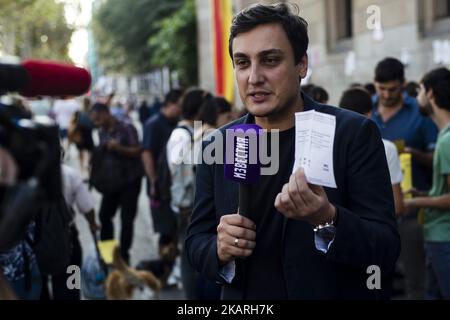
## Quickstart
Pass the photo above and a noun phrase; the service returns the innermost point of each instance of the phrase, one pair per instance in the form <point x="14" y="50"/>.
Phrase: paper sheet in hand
<point x="314" y="140"/>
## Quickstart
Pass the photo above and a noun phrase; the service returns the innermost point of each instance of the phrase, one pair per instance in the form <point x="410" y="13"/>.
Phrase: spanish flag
<point x="222" y="12"/>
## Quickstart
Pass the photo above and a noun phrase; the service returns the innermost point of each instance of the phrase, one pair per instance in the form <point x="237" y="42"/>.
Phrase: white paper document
<point x="314" y="140"/>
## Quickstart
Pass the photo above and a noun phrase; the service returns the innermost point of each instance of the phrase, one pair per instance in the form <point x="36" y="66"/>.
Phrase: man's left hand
<point x="302" y="201"/>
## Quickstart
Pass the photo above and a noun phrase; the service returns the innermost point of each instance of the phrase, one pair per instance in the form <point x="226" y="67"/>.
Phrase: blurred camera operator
<point x="18" y="265"/>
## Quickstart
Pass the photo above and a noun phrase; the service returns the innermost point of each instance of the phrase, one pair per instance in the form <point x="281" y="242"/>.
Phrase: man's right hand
<point x="230" y="228"/>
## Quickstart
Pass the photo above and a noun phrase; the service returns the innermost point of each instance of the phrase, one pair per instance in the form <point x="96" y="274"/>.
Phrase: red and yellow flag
<point x="222" y="12"/>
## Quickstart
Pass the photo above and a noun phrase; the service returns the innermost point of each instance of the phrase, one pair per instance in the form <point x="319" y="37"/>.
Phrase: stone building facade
<point x="349" y="37"/>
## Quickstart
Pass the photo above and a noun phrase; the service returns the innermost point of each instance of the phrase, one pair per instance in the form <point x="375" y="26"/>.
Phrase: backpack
<point x="112" y="173"/>
<point x="52" y="243"/>
<point x="164" y="182"/>
<point x="107" y="172"/>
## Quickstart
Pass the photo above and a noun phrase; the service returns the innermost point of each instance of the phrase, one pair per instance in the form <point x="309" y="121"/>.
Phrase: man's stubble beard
<point x="426" y="111"/>
<point x="393" y="103"/>
<point x="278" y="111"/>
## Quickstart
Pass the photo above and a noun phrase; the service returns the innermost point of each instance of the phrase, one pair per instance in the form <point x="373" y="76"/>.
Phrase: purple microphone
<point x="241" y="161"/>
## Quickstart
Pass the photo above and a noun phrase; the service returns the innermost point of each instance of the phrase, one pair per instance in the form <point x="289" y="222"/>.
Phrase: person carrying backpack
<point x="180" y="159"/>
<point x="120" y="152"/>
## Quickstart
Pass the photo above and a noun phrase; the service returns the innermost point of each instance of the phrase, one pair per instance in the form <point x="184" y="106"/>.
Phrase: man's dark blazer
<point x="366" y="231"/>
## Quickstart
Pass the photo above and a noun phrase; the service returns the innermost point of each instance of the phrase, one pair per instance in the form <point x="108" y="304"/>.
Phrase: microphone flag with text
<point x="242" y="164"/>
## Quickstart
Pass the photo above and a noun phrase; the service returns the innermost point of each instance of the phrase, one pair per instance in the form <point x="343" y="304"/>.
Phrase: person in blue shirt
<point x="399" y="120"/>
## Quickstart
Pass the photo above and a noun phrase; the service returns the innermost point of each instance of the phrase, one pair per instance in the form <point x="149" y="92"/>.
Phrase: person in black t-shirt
<point x="300" y="241"/>
<point x="157" y="131"/>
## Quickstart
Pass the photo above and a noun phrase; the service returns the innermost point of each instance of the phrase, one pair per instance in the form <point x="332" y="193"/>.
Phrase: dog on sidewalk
<point x="162" y="267"/>
<point x="125" y="283"/>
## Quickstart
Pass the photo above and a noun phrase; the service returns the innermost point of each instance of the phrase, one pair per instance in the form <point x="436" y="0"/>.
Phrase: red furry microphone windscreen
<point x="49" y="78"/>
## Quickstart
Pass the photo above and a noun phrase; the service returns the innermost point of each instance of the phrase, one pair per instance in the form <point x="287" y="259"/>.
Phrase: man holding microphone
<point x="298" y="240"/>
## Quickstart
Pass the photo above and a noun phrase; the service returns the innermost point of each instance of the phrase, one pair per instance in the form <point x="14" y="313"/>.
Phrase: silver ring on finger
<point x="236" y="242"/>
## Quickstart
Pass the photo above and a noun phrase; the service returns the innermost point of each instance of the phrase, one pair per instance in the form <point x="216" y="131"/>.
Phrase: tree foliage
<point x="8" y="7"/>
<point x="175" y="44"/>
<point x="140" y="35"/>
<point x="34" y="29"/>
<point x="122" y="29"/>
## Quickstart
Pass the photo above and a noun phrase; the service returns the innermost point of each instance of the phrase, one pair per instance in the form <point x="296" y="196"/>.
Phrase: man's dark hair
<point x="192" y="101"/>
<point x="370" y="88"/>
<point x="296" y="28"/>
<point x="412" y="89"/>
<point x="307" y="89"/>
<point x="319" y="94"/>
<point x="357" y="100"/>
<point x="389" y="69"/>
<point x="100" y="107"/>
<point x="212" y="108"/>
<point x="173" y="96"/>
<point x="438" y="80"/>
<point x="355" y="85"/>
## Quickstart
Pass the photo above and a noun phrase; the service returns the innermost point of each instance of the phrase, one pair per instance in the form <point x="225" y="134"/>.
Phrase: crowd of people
<point x="300" y="241"/>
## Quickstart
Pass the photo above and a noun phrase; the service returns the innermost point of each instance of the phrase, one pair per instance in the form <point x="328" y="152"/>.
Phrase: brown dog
<point x="162" y="267"/>
<point x="125" y="283"/>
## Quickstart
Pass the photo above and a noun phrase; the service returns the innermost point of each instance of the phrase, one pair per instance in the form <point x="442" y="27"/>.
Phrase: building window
<point x="441" y="9"/>
<point x="340" y="24"/>
<point x="434" y="17"/>
<point x="344" y="19"/>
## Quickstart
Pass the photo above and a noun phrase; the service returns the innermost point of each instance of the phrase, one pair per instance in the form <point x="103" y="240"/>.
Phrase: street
<point x="145" y="241"/>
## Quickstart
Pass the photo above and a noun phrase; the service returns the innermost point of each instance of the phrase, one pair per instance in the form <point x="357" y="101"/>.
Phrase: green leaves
<point x="175" y="44"/>
<point x="140" y="35"/>
<point x="34" y="29"/>
<point x="122" y="29"/>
